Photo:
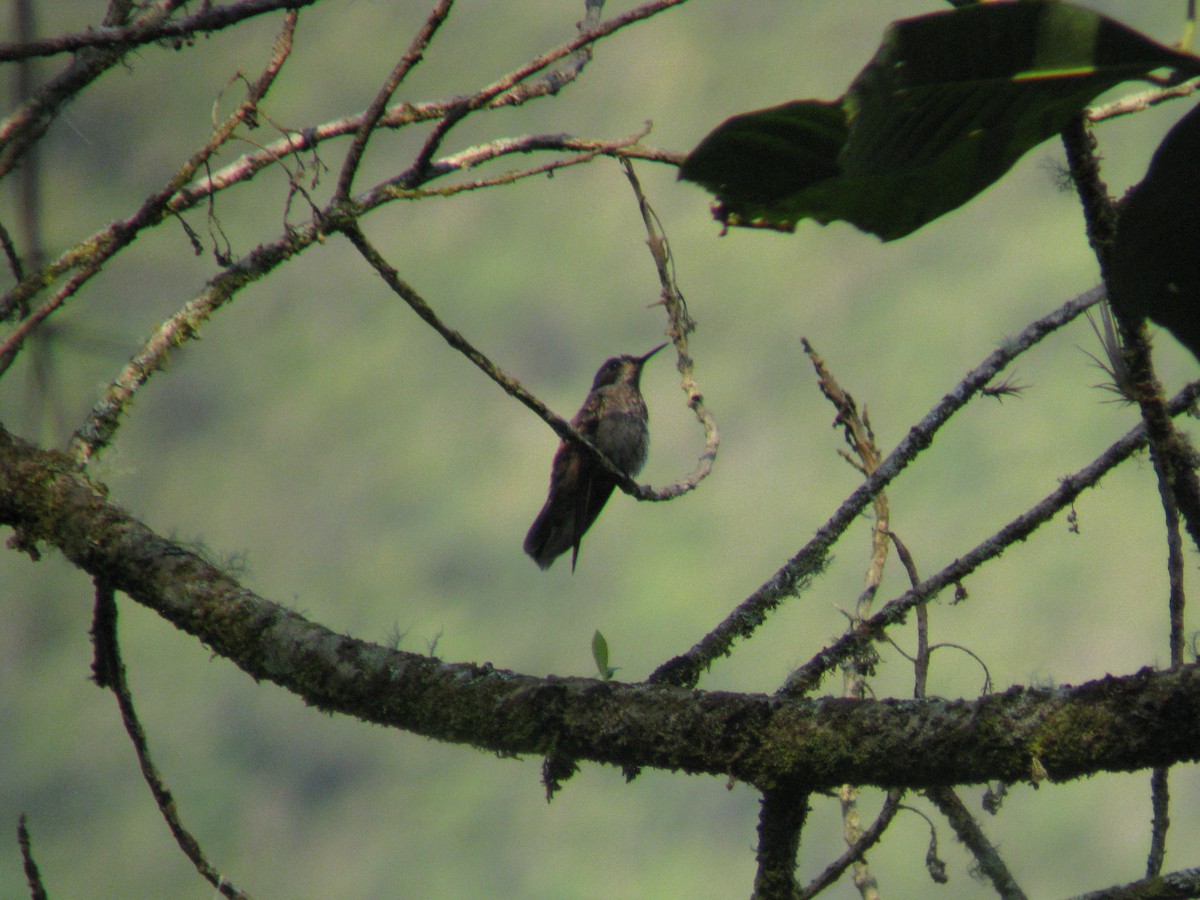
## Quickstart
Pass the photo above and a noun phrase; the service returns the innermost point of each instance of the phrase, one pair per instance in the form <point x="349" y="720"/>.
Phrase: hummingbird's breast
<point x="622" y="431"/>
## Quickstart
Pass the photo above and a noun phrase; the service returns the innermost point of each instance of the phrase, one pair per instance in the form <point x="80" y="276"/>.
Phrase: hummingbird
<point x="614" y="418"/>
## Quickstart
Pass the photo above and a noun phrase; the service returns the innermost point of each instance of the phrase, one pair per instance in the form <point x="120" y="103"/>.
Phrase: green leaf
<point x="949" y="103"/>
<point x="1154" y="266"/>
<point x="600" y="655"/>
<point x="760" y="156"/>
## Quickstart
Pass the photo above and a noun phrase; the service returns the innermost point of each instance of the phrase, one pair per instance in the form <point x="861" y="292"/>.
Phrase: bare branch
<point x="370" y="119"/>
<point x="510" y="385"/>
<point x="91" y="259"/>
<point x="984" y="851"/>
<point x="108" y="662"/>
<point x="29" y="121"/>
<point x="209" y="19"/>
<point x="37" y="890"/>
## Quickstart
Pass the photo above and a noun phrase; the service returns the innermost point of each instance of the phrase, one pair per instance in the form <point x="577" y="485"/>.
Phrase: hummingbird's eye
<point x="608" y="374"/>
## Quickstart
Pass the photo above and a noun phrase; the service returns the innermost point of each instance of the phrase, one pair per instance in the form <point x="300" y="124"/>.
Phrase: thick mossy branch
<point x="1116" y="724"/>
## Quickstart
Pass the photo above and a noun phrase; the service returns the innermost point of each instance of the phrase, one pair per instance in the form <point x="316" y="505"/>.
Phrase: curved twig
<point x="681" y="325"/>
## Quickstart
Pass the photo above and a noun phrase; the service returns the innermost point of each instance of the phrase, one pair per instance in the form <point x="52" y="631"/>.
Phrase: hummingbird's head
<point x="622" y="369"/>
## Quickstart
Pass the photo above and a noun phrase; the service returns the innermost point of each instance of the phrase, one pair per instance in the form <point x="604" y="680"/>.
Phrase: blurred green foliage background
<point x="326" y="441"/>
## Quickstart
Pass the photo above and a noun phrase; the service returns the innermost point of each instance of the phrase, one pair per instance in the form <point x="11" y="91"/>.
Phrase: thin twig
<point x="921" y="660"/>
<point x="11" y="255"/>
<point x="397" y="117"/>
<point x="969" y="832"/>
<point x="350" y="228"/>
<point x="37" y="890"/>
<point x="107" y="647"/>
<point x="503" y="89"/>
<point x="1160" y="795"/>
<point x="498" y="91"/>
<point x="26" y="124"/>
<point x="206" y="20"/>
<point x="1141" y="101"/>
<point x="861" y="440"/>
<point x="808" y="676"/>
<point x="679" y="327"/>
<point x="151" y="212"/>
<point x="370" y="119"/>
<point x="588" y="149"/>
<point x="866" y="840"/>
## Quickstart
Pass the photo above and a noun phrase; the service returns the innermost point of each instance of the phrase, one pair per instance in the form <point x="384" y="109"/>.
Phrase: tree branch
<point x="1175" y="886"/>
<point x="25" y="126"/>
<point x="1115" y="724"/>
<point x="781" y="818"/>
<point x="206" y="20"/>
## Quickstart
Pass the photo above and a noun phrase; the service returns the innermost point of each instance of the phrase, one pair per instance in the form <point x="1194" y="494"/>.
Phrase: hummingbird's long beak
<point x="642" y="359"/>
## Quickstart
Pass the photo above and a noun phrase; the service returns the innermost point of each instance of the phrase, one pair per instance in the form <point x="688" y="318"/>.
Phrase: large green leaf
<point x="948" y="104"/>
<point x="1154" y="267"/>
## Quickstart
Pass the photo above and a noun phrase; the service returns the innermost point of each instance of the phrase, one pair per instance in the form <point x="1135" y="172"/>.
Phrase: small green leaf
<point x="949" y="103"/>
<point x="600" y="655"/>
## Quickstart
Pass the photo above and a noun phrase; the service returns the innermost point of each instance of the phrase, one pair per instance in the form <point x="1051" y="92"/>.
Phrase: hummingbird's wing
<point x="597" y="488"/>
<point x="578" y="491"/>
<point x="593" y="486"/>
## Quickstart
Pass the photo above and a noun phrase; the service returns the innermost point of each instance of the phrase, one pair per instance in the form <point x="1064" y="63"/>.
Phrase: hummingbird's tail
<point x="545" y="542"/>
<point x="562" y="522"/>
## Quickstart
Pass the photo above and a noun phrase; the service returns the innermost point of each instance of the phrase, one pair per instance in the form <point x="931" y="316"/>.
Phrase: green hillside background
<point x="324" y="440"/>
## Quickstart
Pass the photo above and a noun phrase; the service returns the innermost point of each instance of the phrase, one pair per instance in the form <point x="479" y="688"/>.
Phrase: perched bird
<point x="614" y="418"/>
